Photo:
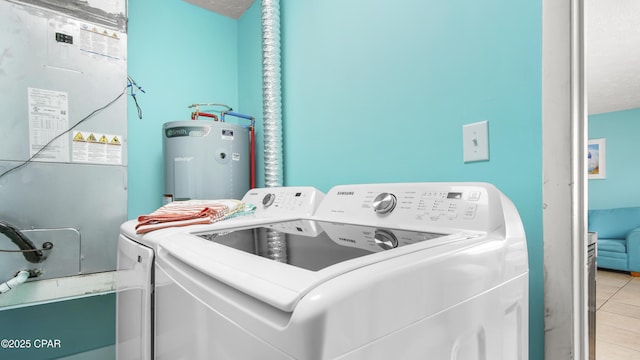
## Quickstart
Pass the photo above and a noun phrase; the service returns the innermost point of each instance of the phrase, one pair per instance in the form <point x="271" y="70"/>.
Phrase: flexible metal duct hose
<point x="271" y="93"/>
<point x="272" y="114"/>
<point x="277" y="247"/>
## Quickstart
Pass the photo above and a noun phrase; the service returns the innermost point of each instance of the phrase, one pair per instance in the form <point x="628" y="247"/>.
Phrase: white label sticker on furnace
<point x="48" y="119"/>
<point x="227" y="134"/>
<point x="235" y="156"/>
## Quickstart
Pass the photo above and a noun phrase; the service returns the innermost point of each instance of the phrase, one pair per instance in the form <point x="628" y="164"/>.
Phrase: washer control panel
<point x="470" y="206"/>
<point x="431" y="204"/>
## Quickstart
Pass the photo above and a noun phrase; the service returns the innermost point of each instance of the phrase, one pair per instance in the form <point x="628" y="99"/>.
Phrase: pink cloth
<point x="181" y="213"/>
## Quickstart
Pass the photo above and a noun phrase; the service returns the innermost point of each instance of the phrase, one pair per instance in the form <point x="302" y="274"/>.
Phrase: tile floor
<point x="617" y="316"/>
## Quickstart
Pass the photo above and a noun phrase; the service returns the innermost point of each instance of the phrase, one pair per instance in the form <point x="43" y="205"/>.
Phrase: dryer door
<point x="134" y="301"/>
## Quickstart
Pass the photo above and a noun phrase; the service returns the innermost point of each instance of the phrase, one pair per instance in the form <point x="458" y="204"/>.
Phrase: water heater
<point x="205" y="160"/>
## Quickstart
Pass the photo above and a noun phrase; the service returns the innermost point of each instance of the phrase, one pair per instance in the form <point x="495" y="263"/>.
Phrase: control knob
<point x="268" y="199"/>
<point x="385" y="239"/>
<point x="384" y="203"/>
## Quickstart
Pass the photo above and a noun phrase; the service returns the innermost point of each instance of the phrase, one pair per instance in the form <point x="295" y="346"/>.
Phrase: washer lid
<point x="279" y="263"/>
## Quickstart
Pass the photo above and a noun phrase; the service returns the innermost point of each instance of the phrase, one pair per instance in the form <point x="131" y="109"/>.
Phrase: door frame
<point x="564" y="138"/>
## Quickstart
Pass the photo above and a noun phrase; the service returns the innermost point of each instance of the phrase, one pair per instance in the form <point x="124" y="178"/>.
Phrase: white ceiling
<point x="230" y="8"/>
<point x="612" y="49"/>
<point x="612" y="55"/>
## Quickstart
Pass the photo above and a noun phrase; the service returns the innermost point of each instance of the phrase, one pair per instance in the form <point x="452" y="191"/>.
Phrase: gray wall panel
<point x="91" y="196"/>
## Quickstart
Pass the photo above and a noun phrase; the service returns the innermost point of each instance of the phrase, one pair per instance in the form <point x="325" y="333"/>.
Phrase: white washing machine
<point x="384" y="271"/>
<point x="135" y="277"/>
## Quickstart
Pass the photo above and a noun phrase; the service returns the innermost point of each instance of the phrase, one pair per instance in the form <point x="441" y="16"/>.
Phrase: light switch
<point x="475" y="141"/>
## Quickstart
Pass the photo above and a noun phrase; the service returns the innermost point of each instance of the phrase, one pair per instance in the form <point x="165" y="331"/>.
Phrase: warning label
<point x="89" y="147"/>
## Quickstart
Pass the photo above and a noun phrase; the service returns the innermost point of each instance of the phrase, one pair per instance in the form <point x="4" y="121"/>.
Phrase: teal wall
<point x="250" y="77"/>
<point x="372" y="92"/>
<point x="180" y="54"/>
<point x="80" y="325"/>
<point x="379" y="91"/>
<point x="620" y="129"/>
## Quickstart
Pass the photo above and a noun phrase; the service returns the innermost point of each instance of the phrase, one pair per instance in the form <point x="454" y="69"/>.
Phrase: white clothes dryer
<point x="382" y="271"/>
<point x="135" y="276"/>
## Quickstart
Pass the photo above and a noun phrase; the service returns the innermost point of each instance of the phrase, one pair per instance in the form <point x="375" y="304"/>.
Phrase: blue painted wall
<point x="372" y="92"/>
<point x="250" y="77"/>
<point x="379" y="91"/>
<point x="180" y="54"/>
<point x="620" y="129"/>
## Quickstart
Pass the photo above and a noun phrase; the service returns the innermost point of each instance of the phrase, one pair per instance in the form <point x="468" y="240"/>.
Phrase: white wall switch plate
<point x="475" y="141"/>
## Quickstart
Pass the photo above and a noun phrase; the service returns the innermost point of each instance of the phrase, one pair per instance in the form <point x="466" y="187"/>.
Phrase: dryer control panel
<point x="458" y="206"/>
<point x="291" y="201"/>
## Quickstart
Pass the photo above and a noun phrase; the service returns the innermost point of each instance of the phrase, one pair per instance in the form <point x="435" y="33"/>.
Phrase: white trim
<point x="564" y="179"/>
<point x="579" y="180"/>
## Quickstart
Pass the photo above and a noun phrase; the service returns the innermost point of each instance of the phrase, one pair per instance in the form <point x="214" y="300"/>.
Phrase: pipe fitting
<point x="20" y="278"/>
